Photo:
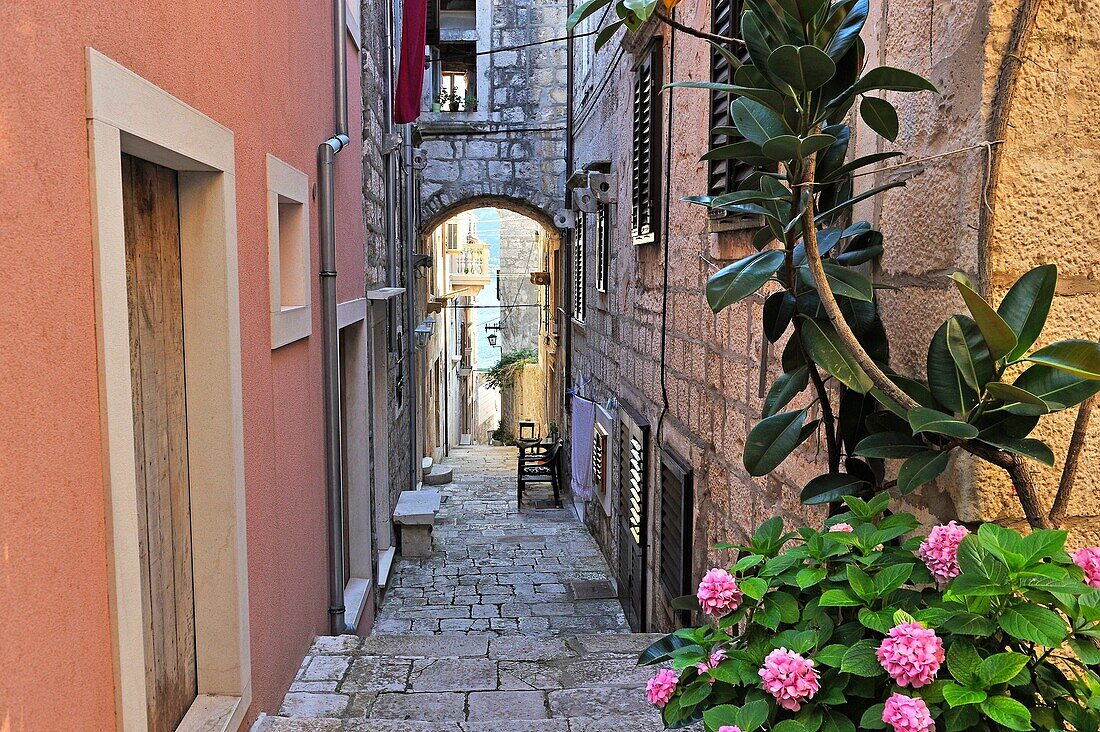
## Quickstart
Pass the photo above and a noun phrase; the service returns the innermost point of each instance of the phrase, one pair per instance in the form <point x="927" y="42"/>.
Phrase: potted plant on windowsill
<point x="471" y="103"/>
<point x="453" y="101"/>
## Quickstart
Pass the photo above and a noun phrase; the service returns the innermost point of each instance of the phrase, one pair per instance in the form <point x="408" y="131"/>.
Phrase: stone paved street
<point x="484" y="635"/>
<point x="495" y="570"/>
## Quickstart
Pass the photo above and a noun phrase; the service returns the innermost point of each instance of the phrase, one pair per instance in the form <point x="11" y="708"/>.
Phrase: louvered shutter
<point x="599" y="460"/>
<point x="724" y="175"/>
<point x="647" y="146"/>
<point x="676" y="517"/>
<point x="633" y="513"/>
<point x="603" y="249"/>
<point x="579" y="244"/>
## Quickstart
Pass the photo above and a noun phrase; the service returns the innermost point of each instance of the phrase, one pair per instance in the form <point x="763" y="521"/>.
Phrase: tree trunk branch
<point x="722" y="40"/>
<point x="1073" y="457"/>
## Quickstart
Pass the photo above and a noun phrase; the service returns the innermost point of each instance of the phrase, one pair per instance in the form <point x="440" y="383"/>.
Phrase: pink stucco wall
<point x="261" y="69"/>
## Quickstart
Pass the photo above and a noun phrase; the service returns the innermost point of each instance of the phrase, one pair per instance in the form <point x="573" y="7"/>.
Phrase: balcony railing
<point x="469" y="266"/>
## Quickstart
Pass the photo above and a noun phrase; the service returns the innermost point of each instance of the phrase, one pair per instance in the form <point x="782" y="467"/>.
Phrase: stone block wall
<point x="512" y="149"/>
<point x="697" y="376"/>
<point x="520" y="254"/>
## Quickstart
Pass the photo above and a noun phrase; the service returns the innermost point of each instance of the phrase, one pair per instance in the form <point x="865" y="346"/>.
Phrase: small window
<point x="647" y="146"/>
<point x="676" y="529"/>
<point x="724" y="176"/>
<point x="450" y="238"/>
<point x="579" y="255"/>
<point x="288" y="252"/>
<point x="603" y="249"/>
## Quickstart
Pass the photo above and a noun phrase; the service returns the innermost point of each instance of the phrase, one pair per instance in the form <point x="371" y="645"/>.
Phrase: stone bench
<point x="415" y="516"/>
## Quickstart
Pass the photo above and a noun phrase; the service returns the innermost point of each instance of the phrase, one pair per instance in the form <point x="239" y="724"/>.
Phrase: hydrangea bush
<point x="855" y="625"/>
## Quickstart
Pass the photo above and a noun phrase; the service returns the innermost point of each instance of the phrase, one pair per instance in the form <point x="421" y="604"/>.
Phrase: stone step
<point x="439" y="475"/>
<point x="408" y="683"/>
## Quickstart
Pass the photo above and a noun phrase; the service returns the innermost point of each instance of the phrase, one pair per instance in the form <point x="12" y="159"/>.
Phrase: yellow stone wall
<point x="1045" y="202"/>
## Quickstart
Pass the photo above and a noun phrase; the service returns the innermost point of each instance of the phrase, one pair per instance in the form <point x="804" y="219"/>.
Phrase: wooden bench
<point x="415" y="516"/>
<point x="539" y="462"/>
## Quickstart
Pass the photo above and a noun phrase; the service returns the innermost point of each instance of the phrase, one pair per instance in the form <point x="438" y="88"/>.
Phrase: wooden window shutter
<point x="724" y="175"/>
<point x="646" y="201"/>
<point x="579" y="245"/>
<point x="599" y="460"/>
<point x="676" y="525"/>
<point x="603" y="249"/>
<point x="634" y="454"/>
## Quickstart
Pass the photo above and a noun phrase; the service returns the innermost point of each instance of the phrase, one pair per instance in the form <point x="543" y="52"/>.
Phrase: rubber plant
<point x="985" y="388"/>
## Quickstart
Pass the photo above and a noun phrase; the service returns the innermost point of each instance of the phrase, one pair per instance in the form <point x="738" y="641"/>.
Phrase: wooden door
<point x="150" y="198"/>
<point x="633" y="514"/>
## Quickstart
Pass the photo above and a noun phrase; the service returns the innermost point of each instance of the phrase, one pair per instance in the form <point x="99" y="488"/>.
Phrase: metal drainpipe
<point x="566" y="246"/>
<point x="411" y="234"/>
<point x="389" y="220"/>
<point x="334" y="469"/>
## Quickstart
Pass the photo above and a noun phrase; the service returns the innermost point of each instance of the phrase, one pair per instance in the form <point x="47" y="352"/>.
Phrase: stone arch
<point x="455" y="199"/>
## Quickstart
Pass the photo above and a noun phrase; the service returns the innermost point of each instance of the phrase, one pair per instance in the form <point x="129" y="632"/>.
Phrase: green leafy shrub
<point x="791" y="103"/>
<point x="1018" y="628"/>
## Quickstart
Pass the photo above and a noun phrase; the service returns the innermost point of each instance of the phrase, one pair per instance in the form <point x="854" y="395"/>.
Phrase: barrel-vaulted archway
<point x="453" y="200"/>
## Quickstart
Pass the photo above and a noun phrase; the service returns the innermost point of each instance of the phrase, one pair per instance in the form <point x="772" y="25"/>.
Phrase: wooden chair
<point x="539" y="463"/>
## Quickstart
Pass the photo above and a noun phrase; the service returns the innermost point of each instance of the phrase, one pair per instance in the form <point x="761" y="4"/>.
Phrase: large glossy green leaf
<point x="923" y="419"/>
<point x="889" y="445"/>
<point x="842" y="281"/>
<point x="969" y="351"/>
<point x="1028" y="447"/>
<point x="660" y="649"/>
<point x="1056" y="386"/>
<point x="831" y="487"/>
<point x="606" y="34"/>
<point x="944" y="379"/>
<point x="845" y="22"/>
<point x="785" y="388"/>
<point x="584" y="10"/>
<point x="1075" y="356"/>
<point x="920" y="469"/>
<point x="1026" y="305"/>
<point x="880" y="116"/>
<point x="1000" y="338"/>
<point x="887" y="77"/>
<point x="801" y="10"/>
<point x="772" y="440"/>
<point x="779" y="309"/>
<point x="754" y="121"/>
<point x="858" y="163"/>
<point x="753" y="32"/>
<point x="1023" y="401"/>
<point x="1008" y="712"/>
<point x="805" y="68"/>
<point x="827" y="350"/>
<point x="745" y="151"/>
<point x="736" y="281"/>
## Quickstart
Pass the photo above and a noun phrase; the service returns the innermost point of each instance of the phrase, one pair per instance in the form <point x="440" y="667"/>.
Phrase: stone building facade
<point x="520" y="254"/>
<point x="692" y="382"/>
<point x="510" y="150"/>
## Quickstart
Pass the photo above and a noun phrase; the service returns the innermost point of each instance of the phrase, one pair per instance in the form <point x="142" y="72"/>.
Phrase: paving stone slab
<point x="453" y="674"/>
<point x="507" y="705"/>
<point x="426" y="646"/>
<point x="428" y="707"/>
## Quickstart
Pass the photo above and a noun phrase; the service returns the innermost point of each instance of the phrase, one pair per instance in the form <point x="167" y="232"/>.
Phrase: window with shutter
<point x="599" y="461"/>
<point x="724" y="175"/>
<point x="603" y="249"/>
<point x="647" y="145"/>
<point x="633" y="513"/>
<point x="580" y="236"/>
<point x="676" y="517"/>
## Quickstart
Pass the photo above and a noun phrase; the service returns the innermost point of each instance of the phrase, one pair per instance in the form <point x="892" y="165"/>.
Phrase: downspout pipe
<point x="412" y="231"/>
<point x="326" y="203"/>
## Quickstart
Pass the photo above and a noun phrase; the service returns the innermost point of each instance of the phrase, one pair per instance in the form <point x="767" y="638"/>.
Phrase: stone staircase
<point x="445" y="683"/>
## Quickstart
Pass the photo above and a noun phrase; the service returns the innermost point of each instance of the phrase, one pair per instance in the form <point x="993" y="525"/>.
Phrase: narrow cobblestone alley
<point x="486" y="634"/>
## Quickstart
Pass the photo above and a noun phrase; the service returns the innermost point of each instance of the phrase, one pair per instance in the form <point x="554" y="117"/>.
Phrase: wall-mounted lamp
<point x="493" y="340"/>
<point x="423" y="332"/>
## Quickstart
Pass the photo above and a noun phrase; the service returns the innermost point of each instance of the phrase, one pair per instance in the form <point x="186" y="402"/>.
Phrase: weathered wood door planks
<point x="151" y="215"/>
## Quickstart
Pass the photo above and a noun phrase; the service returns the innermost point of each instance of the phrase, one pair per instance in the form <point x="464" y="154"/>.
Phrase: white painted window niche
<point x="288" y="252"/>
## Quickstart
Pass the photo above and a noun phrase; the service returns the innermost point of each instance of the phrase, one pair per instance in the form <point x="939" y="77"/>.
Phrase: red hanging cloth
<point x="410" y="76"/>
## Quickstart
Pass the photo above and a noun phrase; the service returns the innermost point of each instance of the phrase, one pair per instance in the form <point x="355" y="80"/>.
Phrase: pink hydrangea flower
<point x="718" y="593"/>
<point x="907" y="714"/>
<point x="846" y="528"/>
<point x="939" y="551"/>
<point x="790" y="678"/>
<point x="911" y="654"/>
<point x="729" y="728"/>
<point x="1088" y="559"/>
<point x="660" y="688"/>
<point x="716" y="657"/>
